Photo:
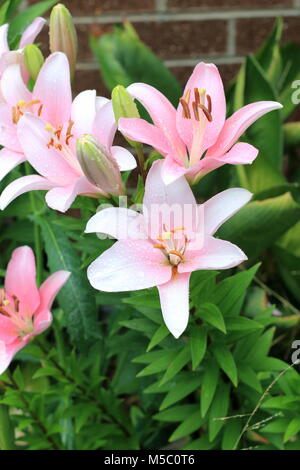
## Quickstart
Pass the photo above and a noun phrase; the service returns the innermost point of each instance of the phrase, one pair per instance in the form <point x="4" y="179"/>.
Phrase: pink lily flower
<point x="25" y="308"/>
<point x="43" y="126"/>
<point x="161" y="251"/>
<point x="8" y="57"/>
<point x="194" y="139"/>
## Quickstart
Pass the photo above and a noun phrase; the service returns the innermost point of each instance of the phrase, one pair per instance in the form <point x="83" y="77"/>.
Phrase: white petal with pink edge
<point x="129" y="265"/>
<point x="221" y="207"/>
<point x="174" y="300"/>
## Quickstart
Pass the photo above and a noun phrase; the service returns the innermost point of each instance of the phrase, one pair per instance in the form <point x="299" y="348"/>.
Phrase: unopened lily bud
<point x="124" y="106"/>
<point x="99" y="166"/>
<point x="63" y="37"/>
<point x="33" y="60"/>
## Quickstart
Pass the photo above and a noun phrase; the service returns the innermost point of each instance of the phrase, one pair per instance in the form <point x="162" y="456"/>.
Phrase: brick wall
<point x="183" y="31"/>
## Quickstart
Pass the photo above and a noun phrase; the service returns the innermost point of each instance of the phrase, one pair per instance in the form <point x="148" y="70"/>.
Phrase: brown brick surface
<point x="251" y="33"/>
<point x="226" y="4"/>
<point x="89" y="80"/>
<point x="291" y="30"/>
<point x="96" y="7"/>
<point x="184" y="39"/>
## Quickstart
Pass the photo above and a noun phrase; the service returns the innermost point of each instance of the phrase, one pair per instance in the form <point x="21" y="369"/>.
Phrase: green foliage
<point x="124" y="59"/>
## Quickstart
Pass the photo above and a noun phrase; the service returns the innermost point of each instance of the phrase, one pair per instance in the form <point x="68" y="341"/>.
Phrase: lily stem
<point x="37" y="234"/>
<point x="141" y="161"/>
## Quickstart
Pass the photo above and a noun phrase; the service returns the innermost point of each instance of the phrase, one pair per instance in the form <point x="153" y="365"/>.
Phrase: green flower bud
<point x="99" y="166"/>
<point x="124" y="106"/>
<point x="63" y="37"/>
<point x="33" y="60"/>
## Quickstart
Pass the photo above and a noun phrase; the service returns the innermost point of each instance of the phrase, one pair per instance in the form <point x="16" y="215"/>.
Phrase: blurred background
<point x="183" y="31"/>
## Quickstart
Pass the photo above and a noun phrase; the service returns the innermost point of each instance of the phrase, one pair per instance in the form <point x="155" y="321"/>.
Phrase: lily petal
<point x="13" y="87"/>
<point x="204" y="76"/>
<point x="162" y="112"/>
<point x="48" y="291"/>
<point x="105" y="125"/>
<point x="61" y="198"/>
<point x="129" y="265"/>
<point x="174" y="300"/>
<point x="169" y="206"/>
<point x="236" y="125"/>
<point x="3" y="39"/>
<point x="8" y="130"/>
<point x="83" y="112"/>
<point x="9" y="160"/>
<point x="21" y="186"/>
<point x="215" y="254"/>
<point x="46" y="161"/>
<point x="32" y="31"/>
<point x="20" y="279"/>
<point x="221" y="207"/>
<point x="124" y="158"/>
<point x="172" y="170"/>
<point x="119" y="223"/>
<point x="53" y="89"/>
<point x="7" y="352"/>
<point x="140" y="130"/>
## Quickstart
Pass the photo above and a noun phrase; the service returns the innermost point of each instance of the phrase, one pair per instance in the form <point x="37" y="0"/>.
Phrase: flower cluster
<point x="69" y="144"/>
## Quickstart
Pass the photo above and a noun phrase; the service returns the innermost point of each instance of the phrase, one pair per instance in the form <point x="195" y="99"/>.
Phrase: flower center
<point x="198" y="105"/>
<point x="201" y="109"/>
<point x="60" y="140"/>
<point x="10" y="308"/>
<point x="19" y="110"/>
<point x="173" y="244"/>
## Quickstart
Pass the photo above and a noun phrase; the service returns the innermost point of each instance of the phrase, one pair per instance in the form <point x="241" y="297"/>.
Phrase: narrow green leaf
<point x="191" y="424"/>
<point x="212" y="315"/>
<point x="198" y="345"/>
<point x="226" y="361"/>
<point x="181" y="359"/>
<point x="219" y="409"/>
<point x="161" y="333"/>
<point x="77" y="298"/>
<point x="180" y="389"/>
<point x="209" y="385"/>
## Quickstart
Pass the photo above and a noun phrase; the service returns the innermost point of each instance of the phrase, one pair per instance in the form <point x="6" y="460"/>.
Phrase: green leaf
<point x="212" y="315"/>
<point x="161" y="333"/>
<point x="292" y="429"/>
<point x="180" y="389"/>
<point x="191" y="424"/>
<point x="266" y="132"/>
<point x="269" y="56"/>
<point x="77" y="298"/>
<point x="181" y="359"/>
<point x="290" y="73"/>
<point x="258" y="225"/>
<point x="7" y="438"/>
<point x="226" y="362"/>
<point x="124" y="59"/>
<point x="229" y="295"/>
<point x="161" y="364"/>
<point x="23" y="19"/>
<point x="209" y="385"/>
<point x="231" y="433"/>
<point x="198" y="345"/>
<point x="249" y="377"/>
<point x="219" y="409"/>
<point x="176" y="414"/>
<point x="241" y="323"/>
<point x="3" y="12"/>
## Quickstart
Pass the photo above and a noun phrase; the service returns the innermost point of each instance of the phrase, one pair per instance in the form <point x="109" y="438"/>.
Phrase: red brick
<point x="89" y="80"/>
<point x="291" y="30"/>
<point x="184" y="39"/>
<point x="226" y="4"/>
<point x="96" y="7"/>
<point x="251" y="33"/>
